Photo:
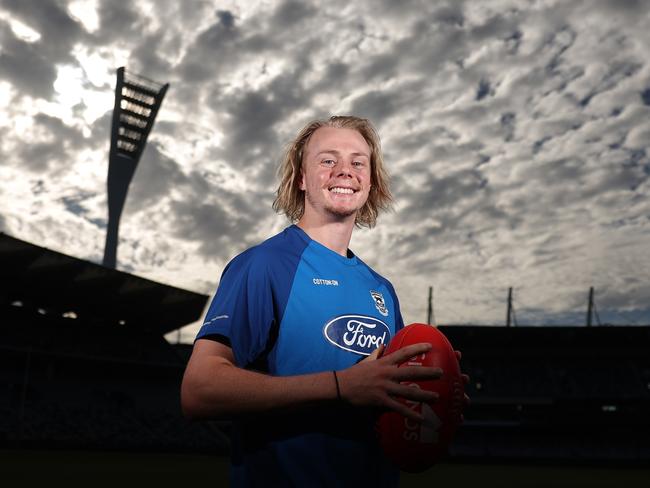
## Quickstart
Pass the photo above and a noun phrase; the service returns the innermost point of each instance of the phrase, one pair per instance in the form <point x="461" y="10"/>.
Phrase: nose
<point x="345" y="169"/>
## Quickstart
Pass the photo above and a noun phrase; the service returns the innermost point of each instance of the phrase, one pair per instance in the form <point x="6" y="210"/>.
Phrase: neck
<point x="334" y="235"/>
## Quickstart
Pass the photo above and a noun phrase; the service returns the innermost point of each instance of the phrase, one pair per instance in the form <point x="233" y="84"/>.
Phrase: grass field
<point x="26" y="468"/>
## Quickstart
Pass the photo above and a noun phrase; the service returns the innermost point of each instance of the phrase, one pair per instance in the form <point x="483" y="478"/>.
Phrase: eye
<point x="358" y="164"/>
<point x="328" y="162"/>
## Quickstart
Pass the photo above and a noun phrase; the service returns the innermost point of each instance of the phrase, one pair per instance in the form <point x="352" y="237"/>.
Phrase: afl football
<point x="415" y="446"/>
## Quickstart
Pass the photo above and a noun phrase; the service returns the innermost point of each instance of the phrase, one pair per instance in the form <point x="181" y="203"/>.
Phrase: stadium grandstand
<point x="558" y="394"/>
<point x="85" y="365"/>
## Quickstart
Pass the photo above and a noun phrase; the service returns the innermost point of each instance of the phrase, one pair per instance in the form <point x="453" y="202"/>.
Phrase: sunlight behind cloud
<point x="96" y="67"/>
<point x="72" y="90"/>
<point x="68" y="86"/>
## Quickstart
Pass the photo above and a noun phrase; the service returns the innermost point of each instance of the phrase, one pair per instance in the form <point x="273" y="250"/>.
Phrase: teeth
<point x="342" y="190"/>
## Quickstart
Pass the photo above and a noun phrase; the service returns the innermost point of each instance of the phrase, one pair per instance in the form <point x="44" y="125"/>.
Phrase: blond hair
<point x="290" y="199"/>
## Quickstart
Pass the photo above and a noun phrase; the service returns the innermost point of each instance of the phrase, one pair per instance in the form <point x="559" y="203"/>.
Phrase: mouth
<point x="342" y="190"/>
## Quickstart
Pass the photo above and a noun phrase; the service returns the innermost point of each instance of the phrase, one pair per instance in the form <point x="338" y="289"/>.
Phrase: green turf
<point x="27" y="468"/>
<point x="527" y="476"/>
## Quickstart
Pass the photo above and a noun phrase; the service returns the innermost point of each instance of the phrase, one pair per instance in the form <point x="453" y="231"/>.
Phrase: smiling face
<point x="336" y="174"/>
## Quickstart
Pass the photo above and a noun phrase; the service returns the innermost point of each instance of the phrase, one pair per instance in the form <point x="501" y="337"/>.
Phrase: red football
<point x="415" y="446"/>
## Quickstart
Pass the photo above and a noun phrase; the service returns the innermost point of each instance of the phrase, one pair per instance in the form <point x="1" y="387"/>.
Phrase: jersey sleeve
<point x="399" y="321"/>
<point x="242" y="309"/>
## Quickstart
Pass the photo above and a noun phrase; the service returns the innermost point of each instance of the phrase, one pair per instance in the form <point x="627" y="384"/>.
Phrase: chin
<point x="342" y="212"/>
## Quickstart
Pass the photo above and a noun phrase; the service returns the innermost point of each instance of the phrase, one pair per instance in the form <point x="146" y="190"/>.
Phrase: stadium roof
<point x="53" y="282"/>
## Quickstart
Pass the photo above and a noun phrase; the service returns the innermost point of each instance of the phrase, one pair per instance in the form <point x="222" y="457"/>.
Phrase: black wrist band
<point x="338" y="389"/>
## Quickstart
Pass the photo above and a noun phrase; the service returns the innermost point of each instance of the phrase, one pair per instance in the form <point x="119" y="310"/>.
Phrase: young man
<point x="291" y="345"/>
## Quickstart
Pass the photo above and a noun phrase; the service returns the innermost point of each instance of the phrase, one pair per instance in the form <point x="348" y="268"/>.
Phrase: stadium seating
<point x="72" y="384"/>
<point x="555" y="393"/>
<point x="537" y="393"/>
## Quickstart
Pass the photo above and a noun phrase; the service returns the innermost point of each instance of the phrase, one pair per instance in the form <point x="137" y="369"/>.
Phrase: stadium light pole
<point x="137" y="101"/>
<point x="510" y="314"/>
<point x="592" y="309"/>
<point x="430" y="317"/>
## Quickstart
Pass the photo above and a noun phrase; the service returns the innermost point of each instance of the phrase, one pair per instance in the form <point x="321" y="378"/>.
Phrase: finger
<point x="458" y="355"/>
<point x="417" y="373"/>
<point x="408" y="352"/>
<point x="465" y="378"/>
<point x="404" y="410"/>
<point x="376" y="354"/>
<point x="413" y="394"/>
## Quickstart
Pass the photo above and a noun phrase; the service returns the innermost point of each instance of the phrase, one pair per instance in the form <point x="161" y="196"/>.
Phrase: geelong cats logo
<point x="379" y="302"/>
<point x="357" y="333"/>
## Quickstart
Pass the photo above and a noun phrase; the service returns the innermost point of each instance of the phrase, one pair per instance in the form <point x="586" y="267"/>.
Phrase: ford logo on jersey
<point x="357" y="333"/>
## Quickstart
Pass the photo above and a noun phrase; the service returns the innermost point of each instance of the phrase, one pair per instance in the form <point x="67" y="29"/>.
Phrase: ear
<point x="302" y="180"/>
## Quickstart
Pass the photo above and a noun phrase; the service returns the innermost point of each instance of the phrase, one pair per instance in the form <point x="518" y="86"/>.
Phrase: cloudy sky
<point x="517" y="135"/>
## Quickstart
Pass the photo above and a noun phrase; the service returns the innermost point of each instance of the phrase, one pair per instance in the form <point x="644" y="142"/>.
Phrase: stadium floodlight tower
<point x="137" y="100"/>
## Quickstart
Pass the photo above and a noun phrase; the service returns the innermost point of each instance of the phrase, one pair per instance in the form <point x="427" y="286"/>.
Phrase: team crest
<point x="379" y="302"/>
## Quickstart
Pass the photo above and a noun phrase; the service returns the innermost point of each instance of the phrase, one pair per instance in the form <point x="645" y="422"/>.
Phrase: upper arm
<point x="243" y="309"/>
<point x="206" y="355"/>
<point x="208" y="347"/>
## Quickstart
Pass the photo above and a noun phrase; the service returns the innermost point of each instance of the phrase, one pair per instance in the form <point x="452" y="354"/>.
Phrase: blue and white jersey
<point x="292" y="306"/>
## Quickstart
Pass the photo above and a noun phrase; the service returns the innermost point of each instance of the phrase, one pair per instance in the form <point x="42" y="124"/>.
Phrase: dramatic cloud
<point x="516" y="133"/>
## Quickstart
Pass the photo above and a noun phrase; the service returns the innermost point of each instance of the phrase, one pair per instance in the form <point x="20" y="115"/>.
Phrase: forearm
<point x="216" y="388"/>
<point x="213" y="387"/>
